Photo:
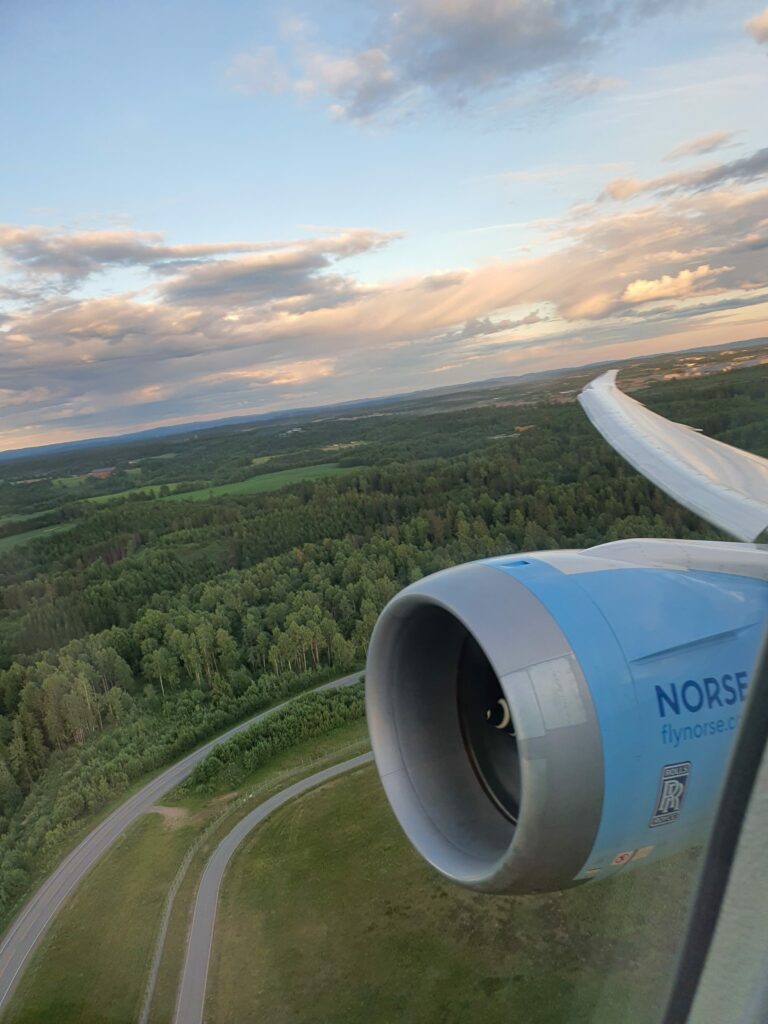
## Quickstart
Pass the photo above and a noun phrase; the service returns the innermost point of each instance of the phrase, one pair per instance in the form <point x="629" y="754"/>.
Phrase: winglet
<point x="724" y="485"/>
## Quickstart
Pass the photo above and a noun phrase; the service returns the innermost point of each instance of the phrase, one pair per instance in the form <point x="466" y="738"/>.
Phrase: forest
<point x="310" y="715"/>
<point x="149" y="625"/>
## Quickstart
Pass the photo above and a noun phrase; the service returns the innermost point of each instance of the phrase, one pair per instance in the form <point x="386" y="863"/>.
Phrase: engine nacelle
<point x="544" y="720"/>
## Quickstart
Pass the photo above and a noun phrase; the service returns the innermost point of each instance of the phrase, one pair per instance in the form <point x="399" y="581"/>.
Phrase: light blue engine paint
<point x="668" y="655"/>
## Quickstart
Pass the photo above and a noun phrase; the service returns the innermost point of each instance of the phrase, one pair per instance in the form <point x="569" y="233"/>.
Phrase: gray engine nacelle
<point x="540" y="721"/>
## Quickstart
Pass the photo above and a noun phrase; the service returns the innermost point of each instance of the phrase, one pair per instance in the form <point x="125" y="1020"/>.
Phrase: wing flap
<point x="724" y="485"/>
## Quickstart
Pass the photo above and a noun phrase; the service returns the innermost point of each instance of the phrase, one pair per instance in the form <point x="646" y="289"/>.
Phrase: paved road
<point x="191" y="998"/>
<point x="37" y="914"/>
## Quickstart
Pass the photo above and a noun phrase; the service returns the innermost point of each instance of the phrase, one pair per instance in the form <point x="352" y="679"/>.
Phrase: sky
<point x="213" y="209"/>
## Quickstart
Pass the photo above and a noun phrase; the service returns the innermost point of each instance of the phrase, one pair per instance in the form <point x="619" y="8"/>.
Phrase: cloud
<point x="743" y="170"/>
<point x="701" y="144"/>
<point x="484" y="325"/>
<point x="29" y="397"/>
<point x="291" y="273"/>
<point x="454" y="51"/>
<point x="362" y="82"/>
<point x="63" y="260"/>
<point x="578" y="84"/>
<point x="259" y="71"/>
<point x="288" y="323"/>
<point x="687" y="311"/>
<point x="74" y="256"/>
<point x="668" y="286"/>
<point x="758" y="27"/>
<point x="591" y="307"/>
<point x="550" y="173"/>
<point x="297" y="372"/>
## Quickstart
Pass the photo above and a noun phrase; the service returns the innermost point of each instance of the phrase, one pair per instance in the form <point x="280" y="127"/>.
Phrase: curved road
<point x="37" y="914"/>
<point x="191" y="997"/>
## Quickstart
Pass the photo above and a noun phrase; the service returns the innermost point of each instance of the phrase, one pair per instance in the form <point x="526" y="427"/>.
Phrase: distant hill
<point x="341" y="407"/>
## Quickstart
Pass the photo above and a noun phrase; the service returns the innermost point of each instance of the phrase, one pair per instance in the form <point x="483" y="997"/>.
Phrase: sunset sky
<point x="217" y="208"/>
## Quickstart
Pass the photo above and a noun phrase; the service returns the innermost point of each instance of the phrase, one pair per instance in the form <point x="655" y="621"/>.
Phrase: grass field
<point x="75" y="975"/>
<point x="263" y="483"/>
<point x="328" y="915"/>
<point x="253" y="485"/>
<point x="71" y="482"/>
<point x="22" y="517"/>
<point x="92" y="967"/>
<point x="102" y="499"/>
<point x="341" y="446"/>
<point x="6" y="543"/>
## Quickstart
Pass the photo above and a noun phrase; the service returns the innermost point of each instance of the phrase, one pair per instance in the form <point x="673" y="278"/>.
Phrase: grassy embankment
<point x="328" y="915"/>
<point x="92" y="966"/>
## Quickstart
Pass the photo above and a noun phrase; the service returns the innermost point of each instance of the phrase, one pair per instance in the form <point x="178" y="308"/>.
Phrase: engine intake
<point x="514" y="720"/>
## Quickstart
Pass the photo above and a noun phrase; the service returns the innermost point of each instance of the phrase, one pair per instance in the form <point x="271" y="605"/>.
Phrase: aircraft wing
<point x="724" y="485"/>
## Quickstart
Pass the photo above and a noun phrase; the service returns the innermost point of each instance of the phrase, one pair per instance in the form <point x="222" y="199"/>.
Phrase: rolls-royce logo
<point x="669" y="799"/>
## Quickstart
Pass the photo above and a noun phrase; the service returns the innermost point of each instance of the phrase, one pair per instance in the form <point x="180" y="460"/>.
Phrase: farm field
<point x="149" y="489"/>
<point x="78" y="480"/>
<point x="16" y="539"/>
<point x="260" y="484"/>
<point x="23" y="517"/>
<point x="71" y="482"/>
<point x="263" y="483"/>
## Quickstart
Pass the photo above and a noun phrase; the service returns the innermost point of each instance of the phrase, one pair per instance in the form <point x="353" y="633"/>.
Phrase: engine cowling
<point x="541" y="721"/>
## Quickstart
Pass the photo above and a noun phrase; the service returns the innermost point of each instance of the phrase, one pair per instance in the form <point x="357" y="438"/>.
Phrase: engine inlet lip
<point x="442" y="804"/>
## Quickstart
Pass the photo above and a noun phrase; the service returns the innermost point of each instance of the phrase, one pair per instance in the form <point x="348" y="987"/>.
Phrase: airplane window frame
<point x="710" y="897"/>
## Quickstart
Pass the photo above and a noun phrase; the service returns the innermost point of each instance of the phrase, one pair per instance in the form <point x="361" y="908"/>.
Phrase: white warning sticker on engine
<point x="643" y="852"/>
<point x="557" y="691"/>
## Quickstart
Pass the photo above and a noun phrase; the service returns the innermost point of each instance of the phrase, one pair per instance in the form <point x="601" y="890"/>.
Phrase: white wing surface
<point x="724" y="485"/>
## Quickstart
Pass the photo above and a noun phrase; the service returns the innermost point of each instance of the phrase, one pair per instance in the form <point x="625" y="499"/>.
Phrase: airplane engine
<point x="545" y="720"/>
